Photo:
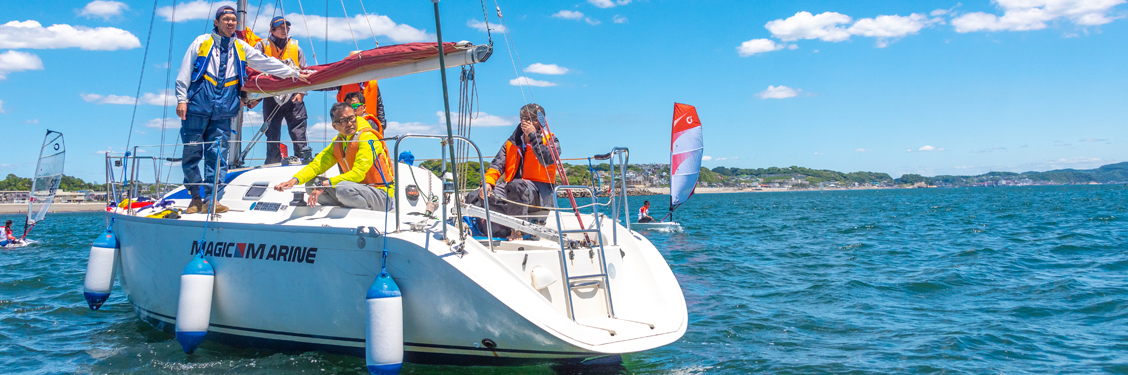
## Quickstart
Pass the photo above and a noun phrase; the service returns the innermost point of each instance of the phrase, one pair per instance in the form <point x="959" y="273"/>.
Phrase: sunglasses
<point x="356" y="105"/>
<point x="346" y="120"/>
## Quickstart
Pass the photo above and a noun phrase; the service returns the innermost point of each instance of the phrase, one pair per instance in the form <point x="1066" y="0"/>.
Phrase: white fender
<point x="193" y="311"/>
<point x="100" y="270"/>
<point x="383" y="339"/>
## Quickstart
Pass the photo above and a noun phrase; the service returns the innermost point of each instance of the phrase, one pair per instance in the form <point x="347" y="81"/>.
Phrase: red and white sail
<point x="686" y="149"/>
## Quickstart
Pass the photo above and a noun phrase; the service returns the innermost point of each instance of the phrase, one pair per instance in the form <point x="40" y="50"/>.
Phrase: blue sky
<point x="929" y="87"/>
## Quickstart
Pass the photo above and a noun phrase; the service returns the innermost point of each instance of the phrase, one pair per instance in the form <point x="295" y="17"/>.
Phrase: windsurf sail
<point x="48" y="175"/>
<point x="686" y="149"/>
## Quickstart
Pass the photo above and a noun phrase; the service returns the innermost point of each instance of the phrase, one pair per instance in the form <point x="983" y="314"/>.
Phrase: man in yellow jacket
<point x="362" y="183"/>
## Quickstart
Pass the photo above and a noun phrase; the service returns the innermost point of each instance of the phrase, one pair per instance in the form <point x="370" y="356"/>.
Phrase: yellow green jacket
<point x="362" y="163"/>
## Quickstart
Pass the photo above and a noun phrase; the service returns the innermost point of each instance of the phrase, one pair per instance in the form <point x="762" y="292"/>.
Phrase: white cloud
<point x="862" y="150"/>
<point x="754" y="46"/>
<point x="166" y="123"/>
<point x="1021" y="15"/>
<point x="481" y="26"/>
<point x="569" y="15"/>
<point x="706" y="158"/>
<point x="619" y="19"/>
<point x="252" y="118"/>
<point x="321" y="132"/>
<point x="166" y="98"/>
<point x="16" y="61"/>
<point x="103" y="9"/>
<point x="339" y="27"/>
<point x="930" y="148"/>
<point x="551" y="69"/>
<point x="1" y="106"/>
<point x="400" y="128"/>
<point x="778" y="92"/>
<point x="526" y="81"/>
<point x="32" y="35"/>
<point x="804" y="25"/>
<point x="484" y="119"/>
<point x="608" y="3"/>
<point x="890" y="27"/>
<point x="938" y="12"/>
<point x="592" y="21"/>
<point x="32" y="121"/>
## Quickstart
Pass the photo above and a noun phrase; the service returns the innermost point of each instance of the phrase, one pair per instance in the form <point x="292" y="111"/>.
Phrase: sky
<point x="926" y="87"/>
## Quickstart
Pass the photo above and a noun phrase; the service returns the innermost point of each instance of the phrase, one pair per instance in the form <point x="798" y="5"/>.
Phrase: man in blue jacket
<point x="208" y="96"/>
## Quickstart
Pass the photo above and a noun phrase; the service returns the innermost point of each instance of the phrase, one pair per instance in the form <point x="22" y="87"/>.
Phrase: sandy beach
<point x="19" y="208"/>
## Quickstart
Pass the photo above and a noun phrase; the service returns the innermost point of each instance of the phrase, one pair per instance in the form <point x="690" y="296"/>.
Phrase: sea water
<point x="978" y="280"/>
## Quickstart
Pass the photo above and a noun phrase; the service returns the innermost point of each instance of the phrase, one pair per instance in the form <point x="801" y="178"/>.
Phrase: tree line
<point x="68" y="183"/>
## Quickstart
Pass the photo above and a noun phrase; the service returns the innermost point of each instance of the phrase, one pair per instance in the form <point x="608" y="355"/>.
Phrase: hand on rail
<point x="487" y="188"/>
<point x="286" y="185"/>
<point x="312" y="200"/>
<point x="182" y="111"/>
<point x="304" y="77"/>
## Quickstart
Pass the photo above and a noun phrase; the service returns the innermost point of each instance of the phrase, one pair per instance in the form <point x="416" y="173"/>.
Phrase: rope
<point x="137" y="99"/>
<point x="510" y="49"/>
<point x="370" y="29"/>
<point x="484" y="16"/>
<point x="168" y="78"/>
<point x="309" y="35"/>
<point x="347" y="22"/>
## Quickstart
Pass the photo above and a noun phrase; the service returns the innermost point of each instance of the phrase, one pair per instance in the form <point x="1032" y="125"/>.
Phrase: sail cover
<point x="48" y="174"/>
<point x="685" y="153"/>
<point x="377" y="63"/>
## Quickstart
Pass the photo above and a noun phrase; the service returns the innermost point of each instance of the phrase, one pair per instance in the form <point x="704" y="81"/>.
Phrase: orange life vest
<point x="288" y="53"/>
<point x="347" y="156"/>
<point x="526" y="160"/>
<point x="371" y="92"/>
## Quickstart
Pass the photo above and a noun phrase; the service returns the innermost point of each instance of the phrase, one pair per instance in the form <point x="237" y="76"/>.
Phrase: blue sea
<point x="978" y="280"/>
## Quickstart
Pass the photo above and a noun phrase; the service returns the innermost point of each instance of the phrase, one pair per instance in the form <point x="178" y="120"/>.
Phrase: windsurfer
<point x="208" y="91"/>
<point x="6" y="236"/>
<point x="644" y="213"/>
<point x="527" y="166"/>
<point x="362" y="183"/>
<point x="289" y="107"/>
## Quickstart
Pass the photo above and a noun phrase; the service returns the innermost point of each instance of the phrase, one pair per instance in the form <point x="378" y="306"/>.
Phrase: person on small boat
<point x="527" y="165"/>
<point x="361" y="184"/>
<point x="288" y="107"/>
<point x="644" y="213"/>
<point x="208" y="96"/>
<point x="6" y="236"/>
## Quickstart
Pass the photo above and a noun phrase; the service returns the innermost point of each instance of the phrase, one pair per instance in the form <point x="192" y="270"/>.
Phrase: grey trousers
<point x="354" y="195"/>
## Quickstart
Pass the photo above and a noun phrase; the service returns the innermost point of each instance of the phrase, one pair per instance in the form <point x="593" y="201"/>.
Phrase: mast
<point x="446" y="105"/>
<point x="235" y="146"/>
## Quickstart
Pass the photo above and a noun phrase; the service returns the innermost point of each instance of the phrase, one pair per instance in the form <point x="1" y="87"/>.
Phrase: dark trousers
<point x="295" y="116"/>
<point x="203" y="129"/>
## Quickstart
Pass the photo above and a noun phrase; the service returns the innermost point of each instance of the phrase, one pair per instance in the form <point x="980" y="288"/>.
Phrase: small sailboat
<point x="48" y="175"/>
<point x="686" y="149"/>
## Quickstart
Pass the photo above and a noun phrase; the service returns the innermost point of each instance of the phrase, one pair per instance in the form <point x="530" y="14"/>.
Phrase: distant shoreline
<point x="21" y="208"/>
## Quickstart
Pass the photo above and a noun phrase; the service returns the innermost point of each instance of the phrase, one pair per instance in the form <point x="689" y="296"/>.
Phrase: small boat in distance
<point x="686" y="149"/>
<point x="48" y="175"/>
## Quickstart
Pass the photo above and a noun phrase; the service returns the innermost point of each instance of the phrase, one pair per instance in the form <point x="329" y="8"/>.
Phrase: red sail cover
<point x="376" y="58"/>
<point x="686" y="149"/>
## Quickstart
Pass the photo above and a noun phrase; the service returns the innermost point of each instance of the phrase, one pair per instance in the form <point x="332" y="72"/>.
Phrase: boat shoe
<point x="197" y="205"/>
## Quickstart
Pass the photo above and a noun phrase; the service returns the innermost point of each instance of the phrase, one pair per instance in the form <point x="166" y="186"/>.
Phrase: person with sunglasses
<point x="356" y="101"/>
<point x="362" y="183"/>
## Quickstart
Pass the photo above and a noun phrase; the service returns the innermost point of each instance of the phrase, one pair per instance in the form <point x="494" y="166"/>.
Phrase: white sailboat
<point x="285" y="276"/>
<point x="44" y="185"/>
<point x="686" y="149"/>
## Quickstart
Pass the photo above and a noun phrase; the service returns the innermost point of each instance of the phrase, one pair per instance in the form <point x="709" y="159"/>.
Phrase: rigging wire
<point x="164" y="113"/>
<point x="511" y="46"/>
<point x="309" y="35"/>
<point x="347" y="22"/>
<point x="370" y="29"/>
<point x="486" y="16"/>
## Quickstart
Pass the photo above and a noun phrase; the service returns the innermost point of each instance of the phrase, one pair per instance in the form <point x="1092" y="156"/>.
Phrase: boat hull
<point x="314" y="299"/>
